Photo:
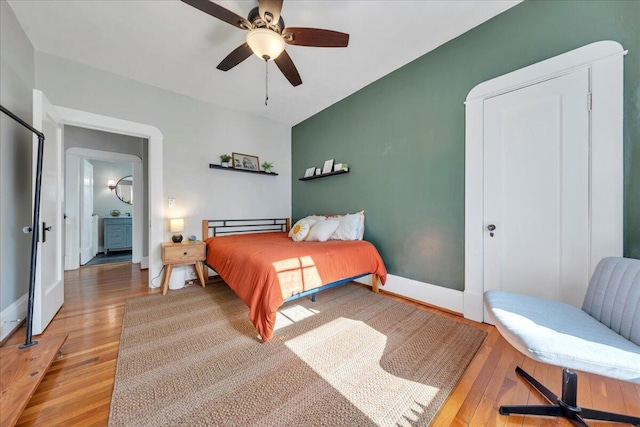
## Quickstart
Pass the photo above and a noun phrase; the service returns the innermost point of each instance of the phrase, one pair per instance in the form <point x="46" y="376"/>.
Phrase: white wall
<point x="195" y="134"/>
<point x="16" y="85"/>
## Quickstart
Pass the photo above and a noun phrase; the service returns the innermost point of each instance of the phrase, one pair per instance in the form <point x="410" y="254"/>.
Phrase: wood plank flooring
<point x="21" y="371"/>
<point x="77" y="388"/>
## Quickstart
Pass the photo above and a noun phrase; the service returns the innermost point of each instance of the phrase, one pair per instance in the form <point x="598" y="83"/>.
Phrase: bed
<point x="266" y="268"/>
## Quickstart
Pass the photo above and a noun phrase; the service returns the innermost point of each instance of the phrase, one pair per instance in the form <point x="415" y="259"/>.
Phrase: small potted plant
<point x="224" y="160"/>
<point x="266" y="166"/>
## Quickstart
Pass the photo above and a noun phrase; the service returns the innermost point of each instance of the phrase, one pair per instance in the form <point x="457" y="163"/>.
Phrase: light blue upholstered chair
<point x="602" y="338"/>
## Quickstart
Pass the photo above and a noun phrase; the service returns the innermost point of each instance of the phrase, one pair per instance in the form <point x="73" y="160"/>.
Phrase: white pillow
<point x="361" y="226"/>
<point x="312" y="219"/>
<point x="348" y="227"/>
<point x="300" y="230"/>
<point x="291" y="229"/>
<point x="322" y="230"/>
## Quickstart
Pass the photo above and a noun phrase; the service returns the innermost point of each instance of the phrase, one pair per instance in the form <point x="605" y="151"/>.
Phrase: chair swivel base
<point x="566" y="406"/>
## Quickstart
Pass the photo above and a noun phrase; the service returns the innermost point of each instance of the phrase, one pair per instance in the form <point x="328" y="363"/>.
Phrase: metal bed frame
<point x="220" y="227"/>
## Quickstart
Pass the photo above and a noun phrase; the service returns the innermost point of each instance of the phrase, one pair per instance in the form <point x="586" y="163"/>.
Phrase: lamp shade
<point x="176" y="225"/>
<point x="111" y="184"/>
<point x="265" y="43"/>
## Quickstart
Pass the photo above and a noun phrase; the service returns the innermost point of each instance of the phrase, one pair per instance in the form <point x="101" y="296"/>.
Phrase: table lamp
<point x="176" y="225"/>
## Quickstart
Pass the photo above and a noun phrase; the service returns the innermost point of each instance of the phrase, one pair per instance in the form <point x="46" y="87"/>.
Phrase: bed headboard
<point x="221" y="227"/>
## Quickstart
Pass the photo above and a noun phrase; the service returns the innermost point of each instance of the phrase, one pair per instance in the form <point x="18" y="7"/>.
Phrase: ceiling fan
<point x="268" y="35"/>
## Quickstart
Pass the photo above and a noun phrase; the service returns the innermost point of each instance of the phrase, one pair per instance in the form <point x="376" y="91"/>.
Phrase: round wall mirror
<point x="124" y="189"/>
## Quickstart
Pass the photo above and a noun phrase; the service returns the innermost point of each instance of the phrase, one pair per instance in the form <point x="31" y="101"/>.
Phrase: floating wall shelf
<point x="324" y="175"/>
<point x="212" y="166"/>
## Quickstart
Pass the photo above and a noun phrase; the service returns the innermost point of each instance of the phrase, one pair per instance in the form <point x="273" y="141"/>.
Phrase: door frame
<point x="604" y="60"/>
<point x="88" y="120"/>
<point x="72" y="197"/>
<point x="85" y="230"/>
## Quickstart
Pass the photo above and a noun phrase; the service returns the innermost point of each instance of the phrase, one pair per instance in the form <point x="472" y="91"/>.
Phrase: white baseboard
<point x="144" y="263"/>
<point x="474" y="306"/>
<point x="12" y="316"/>
<point x="448" y="299"/>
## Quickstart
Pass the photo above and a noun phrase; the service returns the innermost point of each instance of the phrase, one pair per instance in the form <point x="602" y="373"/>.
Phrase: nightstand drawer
<point x="183" y="253"/>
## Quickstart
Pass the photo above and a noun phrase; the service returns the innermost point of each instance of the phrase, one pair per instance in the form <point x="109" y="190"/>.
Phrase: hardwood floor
<point x="77" y="389"/>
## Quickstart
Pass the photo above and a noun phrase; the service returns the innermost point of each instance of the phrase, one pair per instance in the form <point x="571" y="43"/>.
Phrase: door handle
<point x="44" y="231"/>
<point x="491" y="228"/>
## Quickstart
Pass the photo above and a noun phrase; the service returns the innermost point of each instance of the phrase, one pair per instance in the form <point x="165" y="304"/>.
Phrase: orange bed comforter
<point x="264" y="269"/>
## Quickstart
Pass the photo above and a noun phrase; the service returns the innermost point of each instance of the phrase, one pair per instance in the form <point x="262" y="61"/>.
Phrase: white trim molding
<point x="155" y="185"/>
<point x="438" y="296"/>
<point x="12" y="316"/>
<point x="604" y="60"/>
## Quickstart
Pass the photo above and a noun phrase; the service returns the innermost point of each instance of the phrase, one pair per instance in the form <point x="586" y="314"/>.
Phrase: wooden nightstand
<point x="185" y="253"/>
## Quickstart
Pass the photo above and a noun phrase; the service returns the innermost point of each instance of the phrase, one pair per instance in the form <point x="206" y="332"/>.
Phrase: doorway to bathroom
<point x="106" y="207"/>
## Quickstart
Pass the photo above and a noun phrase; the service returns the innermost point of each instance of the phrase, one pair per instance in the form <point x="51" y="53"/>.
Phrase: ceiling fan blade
<point x="220" y="12"/>
<point x="239" y="54"/>
<point x="270" y="7"/>
<point x="284" y="62"/>
<point x="315" y="37"/>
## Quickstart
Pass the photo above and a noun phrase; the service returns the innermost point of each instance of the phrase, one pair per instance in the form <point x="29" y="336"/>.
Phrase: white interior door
<point x="536" y="189"/>
<point x="86" y="213"/>
<point x="49" y="282"/>
<point x="72" y="212"/>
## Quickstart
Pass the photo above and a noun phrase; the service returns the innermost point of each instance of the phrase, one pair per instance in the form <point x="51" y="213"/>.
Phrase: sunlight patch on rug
<point x="363" y="372"/>
<point x="291" y="314"/>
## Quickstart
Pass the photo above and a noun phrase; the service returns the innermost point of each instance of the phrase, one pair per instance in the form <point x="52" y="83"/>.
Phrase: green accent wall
<point x="403" y="135"/>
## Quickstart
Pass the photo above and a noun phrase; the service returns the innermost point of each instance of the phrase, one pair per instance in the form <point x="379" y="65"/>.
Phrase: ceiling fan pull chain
<point x="266" y="81"/>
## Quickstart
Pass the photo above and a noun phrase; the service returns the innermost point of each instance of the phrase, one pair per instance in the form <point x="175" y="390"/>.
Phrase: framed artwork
<point x="245" y="161"/>
<point x="309" y="172"/>
<point x="328" y="166"/>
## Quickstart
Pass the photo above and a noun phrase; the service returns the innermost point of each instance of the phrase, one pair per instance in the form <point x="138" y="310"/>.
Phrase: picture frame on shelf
<point x="318" y="171"/>
<point x="328" y="166"/>
<point x="245" y="162"/>
<point x="310" y="172"/>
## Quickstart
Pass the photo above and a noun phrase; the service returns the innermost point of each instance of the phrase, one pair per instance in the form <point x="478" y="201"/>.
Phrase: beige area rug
<point x="353" y="358"/>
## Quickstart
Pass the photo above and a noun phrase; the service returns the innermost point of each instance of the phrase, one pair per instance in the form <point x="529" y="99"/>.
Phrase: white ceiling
<point x="171" y="45"/>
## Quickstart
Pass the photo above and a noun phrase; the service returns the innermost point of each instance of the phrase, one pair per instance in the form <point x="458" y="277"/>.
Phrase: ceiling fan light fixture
<point x="265" y="43"/>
